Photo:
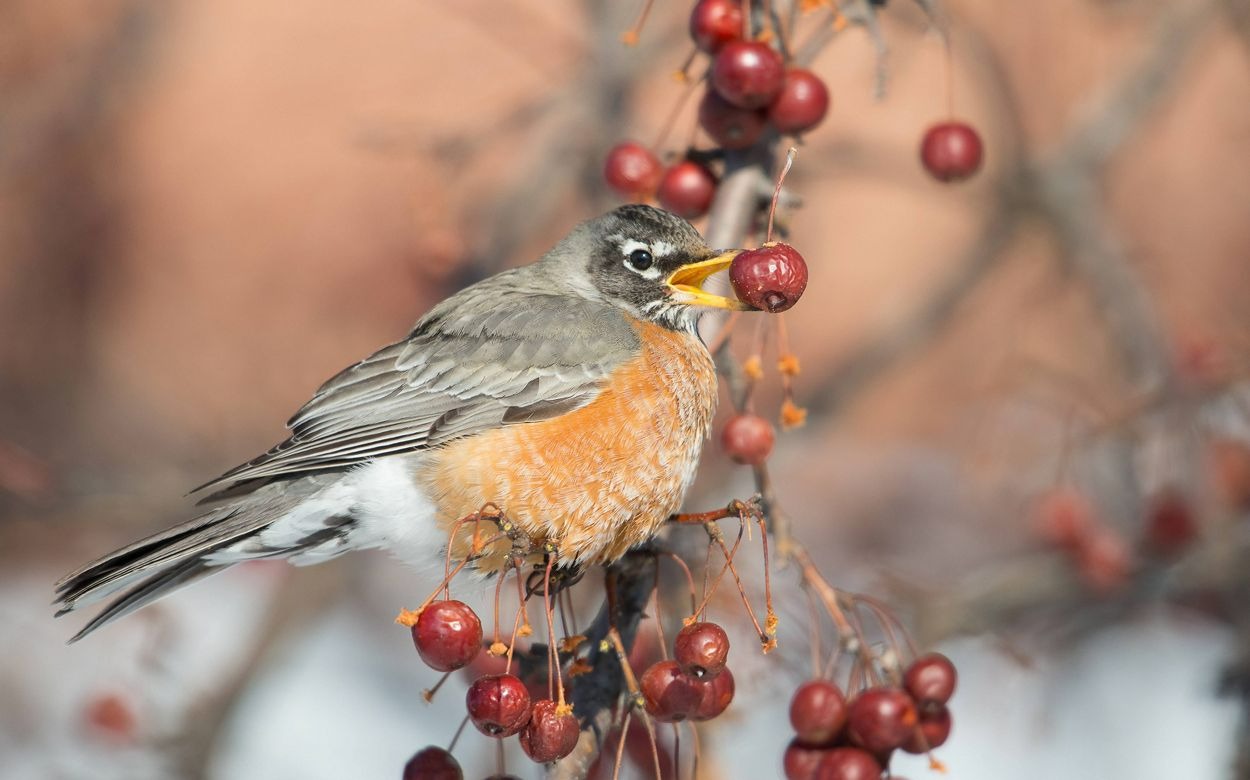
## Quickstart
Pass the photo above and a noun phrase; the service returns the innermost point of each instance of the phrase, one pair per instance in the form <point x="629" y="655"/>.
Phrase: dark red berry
<point x="747" y="439"/>
<point x="669" y="694"/>
<point x="729" y="126"/>
<point x="748" y="74"/>
<point x="934" y="726"/>
<point x="801" y="104"/>
<point x="701" y="649"/>
<point x="632" y="170"/>
<point x="801" y="760"/>
<point x="1170" y="523"/>
<point x="716" y="694"/>
<point x="1064" y="518"/>
<point x="930" y="679"/>
<point x="772" y="277"/>
<point x="448" y="635"/>
<point x="950" y="151"/>
<point x="713" y="23"/>
<point x="818" y="712"/>
<point x="549" y="736"/>
<point x="880" y="719"/>
<point x="687" y="189"/>
<point x="433" y="763"/>
<point x="498" y="704"/>
<point x="848" y="763"/>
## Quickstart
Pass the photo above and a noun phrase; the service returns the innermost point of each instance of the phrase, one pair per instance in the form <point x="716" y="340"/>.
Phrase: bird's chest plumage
<point x="598" y="480"/>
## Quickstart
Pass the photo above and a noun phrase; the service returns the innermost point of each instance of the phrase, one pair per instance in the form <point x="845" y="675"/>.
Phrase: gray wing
<point x="477" y="361"/>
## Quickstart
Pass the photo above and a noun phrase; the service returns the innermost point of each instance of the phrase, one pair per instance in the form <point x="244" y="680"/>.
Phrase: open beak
<point x="686" y="283"/>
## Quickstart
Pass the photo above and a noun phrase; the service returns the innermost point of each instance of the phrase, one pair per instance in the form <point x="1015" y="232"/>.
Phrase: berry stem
<point x="459" y="730"/>
<point x="630" y="37"/>
<point x="554" y="650"/>
<point x="620" y="745"/>
<point x="791" y="153"/>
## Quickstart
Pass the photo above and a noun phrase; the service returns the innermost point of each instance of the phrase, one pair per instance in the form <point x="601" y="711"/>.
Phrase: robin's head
<point x="647" y="261"/>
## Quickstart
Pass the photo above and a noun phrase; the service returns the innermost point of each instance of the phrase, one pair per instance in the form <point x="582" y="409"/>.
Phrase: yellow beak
<point x="686" y="283"/>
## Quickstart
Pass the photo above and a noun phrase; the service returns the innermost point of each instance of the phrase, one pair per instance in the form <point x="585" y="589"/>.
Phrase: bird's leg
<point x="752" y="507"/>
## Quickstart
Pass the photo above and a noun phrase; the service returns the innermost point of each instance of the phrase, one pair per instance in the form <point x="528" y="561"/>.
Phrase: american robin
<point x="574" y="394"/>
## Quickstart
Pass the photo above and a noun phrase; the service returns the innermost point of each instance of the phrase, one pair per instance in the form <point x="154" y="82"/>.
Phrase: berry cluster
<point x="749" y="88"/>
<point x="837" y="738"/>
<point x="448" y="636"/>
<point x="694" y="685"/>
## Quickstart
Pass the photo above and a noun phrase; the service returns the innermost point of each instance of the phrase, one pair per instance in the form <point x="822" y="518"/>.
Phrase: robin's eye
<point x="640" y="260"/>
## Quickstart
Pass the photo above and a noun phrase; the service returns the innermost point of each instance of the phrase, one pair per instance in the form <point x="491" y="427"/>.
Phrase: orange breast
<point x="598" y="480"/>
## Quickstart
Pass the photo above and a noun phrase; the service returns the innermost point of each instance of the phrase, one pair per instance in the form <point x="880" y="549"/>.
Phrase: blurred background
<point x="208" y="208"/>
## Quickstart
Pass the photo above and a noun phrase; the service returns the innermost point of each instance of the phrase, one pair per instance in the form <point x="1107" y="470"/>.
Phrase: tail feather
<point x="114" y="571"/>
<point x="150" y="589"/>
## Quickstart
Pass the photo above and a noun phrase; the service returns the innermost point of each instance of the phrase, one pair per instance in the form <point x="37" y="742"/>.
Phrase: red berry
<point x="549" y="736"/>
<point x="701" y="649"/>
<point x="111" y="715"/>
<point x="687" y="189"/>
<point x="713" y="23"/>
<point x="716" y="695"/>
<point x="930" y="679"/>
<point x="801" y="760"/>
<point x="729" y="126"/>
<point x="818" y="712"/>
<point x="1104" y="560"/>
<point x="748" y="74"/>
<point x="1064" y="518"/>
<point x="1170" y="524"/>
<point x="951" y="151"/>
<point x="801" y="104"/>
<point x="848" y="763"/>
<point x="1230" y="471"/>
<point x="447" y="634"/>
<point x="433" y="763"/>
<point x="881" y="719"/>
<point x="935" y="726"/>
<point x="669" y="695"/>
<point x="498" y="704"/>
<point x="772" y="277"/>
<point x="632" y="170"/>
<point x="747" y="439"/>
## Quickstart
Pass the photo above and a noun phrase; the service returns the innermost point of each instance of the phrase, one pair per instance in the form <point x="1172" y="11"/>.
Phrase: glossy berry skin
<point x="687" y="189"/>
<point x="930" y="679"/>
<point x="448" y="635"/>
<point x="848" y="763"/>
<point x="748" y="74"/>
<point x="701" y="649"/>
<point x="801" y="760"/>
<point x="881" y="719"/>
<point x="818" y="712"/>
<point x="713" y="23"/>
<point x="498" y="704"/>
<point x="729" y="126"/>
<point x="772" y="277"/>
<point x="433" y="763"/>
<point x="935" y="726"/>
<point x="716" y="694"/>
<point x="549" y="736"/>
<point x="632" y="171"/>
<point x="669" y="695"/>
<point x="801" y="104"/>
<point x="747" y="439"/>
<point x="951" y="151"/>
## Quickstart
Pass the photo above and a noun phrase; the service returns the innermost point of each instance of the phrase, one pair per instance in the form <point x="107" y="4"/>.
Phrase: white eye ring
<point x="640" y="259"/>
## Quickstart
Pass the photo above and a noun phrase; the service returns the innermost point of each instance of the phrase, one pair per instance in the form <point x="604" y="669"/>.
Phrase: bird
<point x="573" y="394"/>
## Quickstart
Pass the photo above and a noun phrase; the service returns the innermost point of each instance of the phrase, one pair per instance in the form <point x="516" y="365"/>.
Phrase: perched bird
<point x="574" y="394"/>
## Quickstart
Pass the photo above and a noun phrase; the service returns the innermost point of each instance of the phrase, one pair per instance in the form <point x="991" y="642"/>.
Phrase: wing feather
<point x="479" y="360"/>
